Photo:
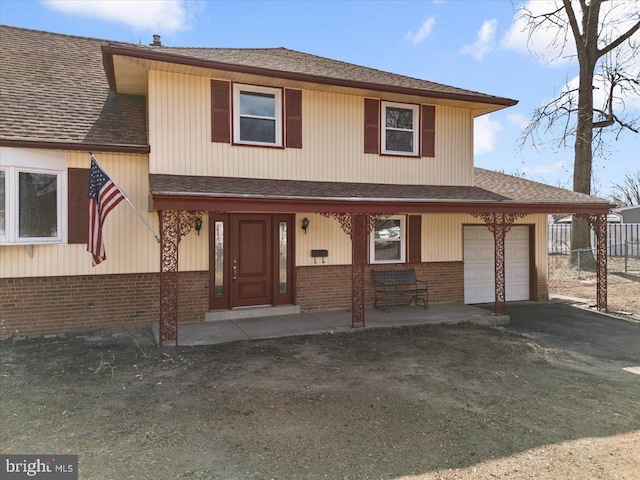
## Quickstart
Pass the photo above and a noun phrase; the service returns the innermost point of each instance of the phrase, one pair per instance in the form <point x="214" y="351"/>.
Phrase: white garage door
<point x="479" y="276"/>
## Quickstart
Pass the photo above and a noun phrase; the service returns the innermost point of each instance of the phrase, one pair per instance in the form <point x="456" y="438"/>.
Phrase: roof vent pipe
<point x="156" y="41"/>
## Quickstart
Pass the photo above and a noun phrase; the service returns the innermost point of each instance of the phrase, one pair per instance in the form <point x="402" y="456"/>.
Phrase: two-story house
<point x="274" y="178"/>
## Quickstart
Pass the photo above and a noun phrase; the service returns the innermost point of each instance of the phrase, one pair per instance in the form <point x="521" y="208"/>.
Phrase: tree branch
<point x="611" y="119"/>
<point x="573" y="22"/>
<point x="620" y="40"/>
<point x="627" y="192"/>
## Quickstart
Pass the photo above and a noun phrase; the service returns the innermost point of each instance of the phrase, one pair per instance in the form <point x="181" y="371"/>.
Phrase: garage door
<point x="479" y="276"/>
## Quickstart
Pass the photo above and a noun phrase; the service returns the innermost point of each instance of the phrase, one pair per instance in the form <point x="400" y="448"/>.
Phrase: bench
<point x="395" y="287"/>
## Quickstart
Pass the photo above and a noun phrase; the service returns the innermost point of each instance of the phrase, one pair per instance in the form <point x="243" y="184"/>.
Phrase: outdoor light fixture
<point x="198" y="225"/>
<point x="305" y="224"/>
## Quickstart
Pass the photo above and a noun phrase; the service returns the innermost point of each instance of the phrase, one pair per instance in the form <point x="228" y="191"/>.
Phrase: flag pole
<point x="128" y="201"/>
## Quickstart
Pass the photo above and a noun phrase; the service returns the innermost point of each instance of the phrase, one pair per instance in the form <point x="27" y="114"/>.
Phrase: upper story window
<point x="394" y="129"/>
<point x="257" y="118"/>
<point x="32" y="193"/>
<point x="388" y="240"/>
<point x="400" y="128"/>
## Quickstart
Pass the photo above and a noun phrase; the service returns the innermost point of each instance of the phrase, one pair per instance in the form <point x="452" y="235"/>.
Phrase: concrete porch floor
<point x="223" y="331"/>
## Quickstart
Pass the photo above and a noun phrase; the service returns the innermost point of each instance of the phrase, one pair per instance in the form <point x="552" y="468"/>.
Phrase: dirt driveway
<point x="413" y="403"/>
<point x="431" y="402"/>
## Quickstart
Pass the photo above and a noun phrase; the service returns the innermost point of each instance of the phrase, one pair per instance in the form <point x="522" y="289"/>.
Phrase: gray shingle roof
<point x="522" y="190"/>
<point x="285" y="60"/>
<point x="264" y="188"/>
<point x="53" y="89"/>
<point x="490" y="187"/>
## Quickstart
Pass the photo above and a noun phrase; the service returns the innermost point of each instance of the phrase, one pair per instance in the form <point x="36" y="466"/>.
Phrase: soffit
<point x="130" y="76"/>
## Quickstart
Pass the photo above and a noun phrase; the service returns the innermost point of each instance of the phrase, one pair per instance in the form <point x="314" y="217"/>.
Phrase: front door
<point x="250" y="260"/>
<point x="251" y="265"/>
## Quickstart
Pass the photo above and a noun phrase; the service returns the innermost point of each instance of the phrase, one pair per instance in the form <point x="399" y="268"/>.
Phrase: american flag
<point x="104" y="196"/>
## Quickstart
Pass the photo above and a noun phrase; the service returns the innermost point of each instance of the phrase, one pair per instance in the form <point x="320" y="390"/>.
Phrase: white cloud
<point x="423" y="32"/>
<point x="622" y="102"/>
<point x="548" y="43"/>
<point x="485" y="42"/>
<point x="161" y="16"/>
<point x="545" y="169"/>
<point x="519" y="120"/>
<point x="543" y="43"/>
<point x="485" y="134"/>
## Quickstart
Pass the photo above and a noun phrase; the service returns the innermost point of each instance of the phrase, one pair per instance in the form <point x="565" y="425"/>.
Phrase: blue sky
<point x="471" y="44"/>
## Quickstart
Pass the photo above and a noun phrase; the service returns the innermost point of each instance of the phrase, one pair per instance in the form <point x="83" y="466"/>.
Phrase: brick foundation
<point x="42" y="306"/>
<point x="542" y="290"/>
<point x="329" y="287"/>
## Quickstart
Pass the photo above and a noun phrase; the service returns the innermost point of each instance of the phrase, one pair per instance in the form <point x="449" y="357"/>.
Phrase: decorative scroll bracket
<point x="598" y="222"/>
<point x="357" y="226"/>
<point x="174" y="224"/>
<point x="499" y="224"/>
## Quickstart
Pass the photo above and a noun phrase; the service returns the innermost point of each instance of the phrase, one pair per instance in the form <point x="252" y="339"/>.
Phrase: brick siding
<point x="542" y="290"/>
<point x="42" y="306"/>
<point x="329" y="287"/>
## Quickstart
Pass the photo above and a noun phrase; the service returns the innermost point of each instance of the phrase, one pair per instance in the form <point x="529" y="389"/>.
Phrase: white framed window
<point x="257" y="115"/>
<point x="388" y="240"/>
<point x="33" y="191"/>
<point x="400" y="128"/>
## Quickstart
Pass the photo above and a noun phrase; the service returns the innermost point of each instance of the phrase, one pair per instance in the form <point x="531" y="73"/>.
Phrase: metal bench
<point x="395" y="287"/>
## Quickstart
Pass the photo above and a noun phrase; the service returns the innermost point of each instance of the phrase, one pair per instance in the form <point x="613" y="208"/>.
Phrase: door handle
<point x="234" y="271"/>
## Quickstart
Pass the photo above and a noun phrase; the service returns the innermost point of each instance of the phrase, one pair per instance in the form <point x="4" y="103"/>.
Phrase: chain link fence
<point x="623" y="243"/>
<point x="625" y="263"/>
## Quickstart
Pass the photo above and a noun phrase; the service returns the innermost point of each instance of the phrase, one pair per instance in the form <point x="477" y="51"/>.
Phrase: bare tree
<point x="627" y="192"/>
<point x="607" y="53"/>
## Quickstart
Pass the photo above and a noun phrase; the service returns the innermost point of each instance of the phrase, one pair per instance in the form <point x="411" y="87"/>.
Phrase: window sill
<point x="259" y="145"/>
<point x="399" y="154"/>
<point x="387" y="262"/>
<point x="28" y="243"/>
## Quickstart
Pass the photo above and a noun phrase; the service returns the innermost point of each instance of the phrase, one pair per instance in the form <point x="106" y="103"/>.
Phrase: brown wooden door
<point x="251" y="260"/>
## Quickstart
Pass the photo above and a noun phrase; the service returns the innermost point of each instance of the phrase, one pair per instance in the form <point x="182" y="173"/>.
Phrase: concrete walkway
<point x="223" y="331"/>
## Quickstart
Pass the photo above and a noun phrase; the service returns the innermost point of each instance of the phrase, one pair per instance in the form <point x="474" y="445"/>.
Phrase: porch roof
<point x="492" y="192"/>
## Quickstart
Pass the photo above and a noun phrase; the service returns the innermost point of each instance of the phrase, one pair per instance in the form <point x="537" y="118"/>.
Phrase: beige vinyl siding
<point x="441" y="239"/>
<point x="129" y="245"/>
<point x="323" y="234"/>
<point x="333" y="124"/>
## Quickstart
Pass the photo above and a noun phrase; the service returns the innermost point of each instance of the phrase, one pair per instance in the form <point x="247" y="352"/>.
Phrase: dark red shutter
<point x="220" y="112"/>
<point x="371" y="125"/>
<point x="415" y="239"/>
<point x="77" y="189"/>
<point x="293" y="112"/>
<point x="428" y="131"/>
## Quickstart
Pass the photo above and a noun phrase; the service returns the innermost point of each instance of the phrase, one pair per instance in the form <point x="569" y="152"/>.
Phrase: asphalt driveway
<point x="571" y="328"/>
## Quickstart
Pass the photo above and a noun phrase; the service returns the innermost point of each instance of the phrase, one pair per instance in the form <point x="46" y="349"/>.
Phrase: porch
<point x="496" y="201"/>
<point x="327" y="322"/>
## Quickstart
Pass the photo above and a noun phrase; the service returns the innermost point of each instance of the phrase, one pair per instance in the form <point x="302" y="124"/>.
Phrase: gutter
<point x="98" y="147"/>
<point x="246" y="203"/>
